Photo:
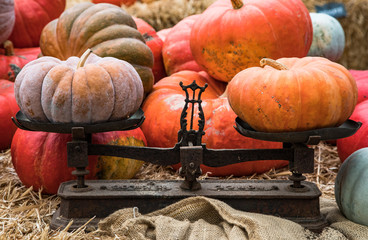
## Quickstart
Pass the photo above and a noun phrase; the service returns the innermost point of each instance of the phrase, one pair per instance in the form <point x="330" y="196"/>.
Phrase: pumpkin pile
<point x="97" y="63"/>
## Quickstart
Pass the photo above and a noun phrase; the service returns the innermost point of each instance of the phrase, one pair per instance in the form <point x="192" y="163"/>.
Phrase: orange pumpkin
<point x="293" y="94"/>
<point x="163" y="107"/>
<point x="232" y="35"/>
<point x="86" y="90"/>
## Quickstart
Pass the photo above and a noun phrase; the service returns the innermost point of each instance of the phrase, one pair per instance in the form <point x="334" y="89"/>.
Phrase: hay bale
<point x="166" y="13"/>
<point x="71" y="3"/>
<point x="355" y="24"/>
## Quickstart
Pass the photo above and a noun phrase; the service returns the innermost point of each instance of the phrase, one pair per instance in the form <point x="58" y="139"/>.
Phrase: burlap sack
<point x="206" y="218"/>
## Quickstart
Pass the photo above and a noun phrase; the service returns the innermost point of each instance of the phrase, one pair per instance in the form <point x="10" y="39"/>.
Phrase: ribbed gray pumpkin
<point x="106" y="29"/>
<point x="86" y="90"/>
<point x="7" y="19"/>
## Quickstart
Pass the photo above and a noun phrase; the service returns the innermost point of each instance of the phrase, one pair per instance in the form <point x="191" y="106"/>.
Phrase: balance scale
<point x="294" y="199"/>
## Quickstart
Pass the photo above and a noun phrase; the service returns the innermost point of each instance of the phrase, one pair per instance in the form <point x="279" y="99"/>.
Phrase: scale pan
<point x="133" y="122"/>
<point x="346" y="129"/>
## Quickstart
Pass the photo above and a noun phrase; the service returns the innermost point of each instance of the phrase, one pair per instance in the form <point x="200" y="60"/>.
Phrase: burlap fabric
<point x="205" y="218"/>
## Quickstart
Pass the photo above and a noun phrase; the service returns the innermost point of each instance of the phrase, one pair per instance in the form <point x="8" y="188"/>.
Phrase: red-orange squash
<point x="40" y="158"/>
<point x="155" y="43"/>
<point x="346" y="146"/>
<point x="8" y="109"/>
<point x="293" y="94"/>
<point x="163" y="108"/>
<point x="12" y="60"/>
<point x="106" y="29"/>
<point x="361" y="78"/>
<point x="163" y="33"/>
<point x="31" y="16"/>
<point x="176" y="52"/>
<point x="89" y="89"/>
<point x="232" y="35"/>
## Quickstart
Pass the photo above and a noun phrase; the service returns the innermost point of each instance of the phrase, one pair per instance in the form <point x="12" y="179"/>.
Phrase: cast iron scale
<point x="293" y="199"/>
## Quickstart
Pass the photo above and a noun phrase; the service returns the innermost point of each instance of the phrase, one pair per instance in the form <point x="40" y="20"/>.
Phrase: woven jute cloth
<point x="205" y="218"/>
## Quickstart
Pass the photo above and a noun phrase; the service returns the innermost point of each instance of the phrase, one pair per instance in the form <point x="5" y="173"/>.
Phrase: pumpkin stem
<point x="237" y="4"/>
<point x="9" y="48"/>
<point x="272" y="63"/>
<point x="83" y="58"/>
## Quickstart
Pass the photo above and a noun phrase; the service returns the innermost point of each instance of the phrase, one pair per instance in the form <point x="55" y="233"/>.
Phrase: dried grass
<point x="25" y="214"/>
<point x="166" y="13"/>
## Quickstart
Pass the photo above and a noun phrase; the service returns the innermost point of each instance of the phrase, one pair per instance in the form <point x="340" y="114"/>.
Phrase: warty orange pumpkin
<point x="231" y="35"/>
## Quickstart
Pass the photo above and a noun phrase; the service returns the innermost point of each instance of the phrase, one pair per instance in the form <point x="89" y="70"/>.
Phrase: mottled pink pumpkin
<point x="7" y="19"/>
<point x="89" y="89"/>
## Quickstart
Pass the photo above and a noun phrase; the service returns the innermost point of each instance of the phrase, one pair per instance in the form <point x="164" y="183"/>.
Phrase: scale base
<point x="103" y="197"/>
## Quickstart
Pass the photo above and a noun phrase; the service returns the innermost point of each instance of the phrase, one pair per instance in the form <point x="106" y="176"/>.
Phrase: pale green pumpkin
<point x="351" y="187"/>
<point x="328" y="37"/>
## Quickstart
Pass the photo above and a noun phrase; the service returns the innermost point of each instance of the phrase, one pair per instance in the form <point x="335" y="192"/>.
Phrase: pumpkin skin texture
<point x="230" y="36"/>
<point x="106" y="29"/>
<point x="351" y="189"/>
<point x="40" y="158"/>
<point x="104" y="89"/>
<point x="155" y="43"/>
<point x="313" y="93"/>
<point x="163" y="108"/>
<point x="116" y="2"/>
<point x="346" y="146"/>
<point x="13" y="60"/>
<point x="176" y="52"/>
<point x="163" y="33"/>
<point x="31" y="16"/>
<point x="361" y="78"/>
<point x="7" y="19"/>
<point x="8" y="109"/>
<point x="328" y="37"/>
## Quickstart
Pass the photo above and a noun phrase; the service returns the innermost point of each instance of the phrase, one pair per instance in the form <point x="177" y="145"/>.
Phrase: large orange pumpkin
<point x="293" y="94"/>
<point x="89" y="89"/>
<point x="163" y="108"/>
<point x="40" y="158"/>
<point x="232" y="35"/>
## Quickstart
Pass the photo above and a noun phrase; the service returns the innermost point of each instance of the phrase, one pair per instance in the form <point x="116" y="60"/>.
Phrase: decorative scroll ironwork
<point x="191" y="136"/>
